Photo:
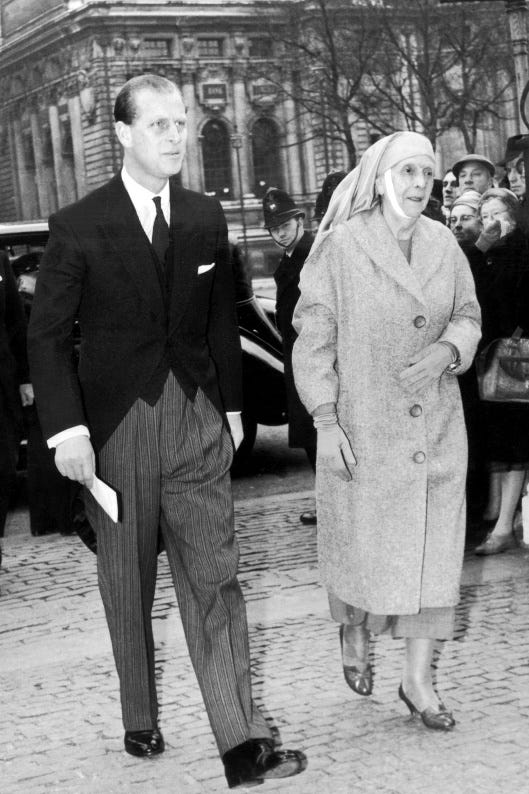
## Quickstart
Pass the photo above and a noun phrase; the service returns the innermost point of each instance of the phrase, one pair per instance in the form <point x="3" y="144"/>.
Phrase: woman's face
<point x="495" y="210"/>
<point x="516" y="176"/>
<point x="413" y="181"/>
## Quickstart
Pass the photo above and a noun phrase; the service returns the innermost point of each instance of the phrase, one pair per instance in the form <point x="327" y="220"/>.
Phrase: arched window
<point x="266" y="157"/>
<point x="216" y="157"/>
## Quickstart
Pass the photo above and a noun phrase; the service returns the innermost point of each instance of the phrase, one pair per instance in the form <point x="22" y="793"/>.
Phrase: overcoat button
<point x="415" y="410"/>
<point x="419" y="321"/>
<point x="419" y="457"/>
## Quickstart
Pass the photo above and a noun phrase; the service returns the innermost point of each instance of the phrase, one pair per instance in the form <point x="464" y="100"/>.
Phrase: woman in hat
<point x="386" y="319"/>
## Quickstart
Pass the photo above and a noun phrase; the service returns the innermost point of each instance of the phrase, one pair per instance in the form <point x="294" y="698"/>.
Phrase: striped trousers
<point x="170" y="463"/>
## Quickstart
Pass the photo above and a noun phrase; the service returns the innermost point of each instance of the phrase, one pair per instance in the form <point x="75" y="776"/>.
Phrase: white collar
<point x="141" y="195"/>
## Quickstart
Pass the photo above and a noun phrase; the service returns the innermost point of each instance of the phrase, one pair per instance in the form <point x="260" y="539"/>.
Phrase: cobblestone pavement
<point x="60" y="726"/>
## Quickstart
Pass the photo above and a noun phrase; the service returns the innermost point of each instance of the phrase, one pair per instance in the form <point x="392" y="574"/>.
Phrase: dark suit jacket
<point x="13" y="359"/>
<point x="98" y="266"/>
<point x="301" y="431"/>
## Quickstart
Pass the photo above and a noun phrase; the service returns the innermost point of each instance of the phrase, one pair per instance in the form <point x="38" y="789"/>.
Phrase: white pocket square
<point x="205" y="268"/>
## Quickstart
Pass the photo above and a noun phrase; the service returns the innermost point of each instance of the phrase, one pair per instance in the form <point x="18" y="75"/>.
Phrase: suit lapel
<point x="187" y="245"/>
<point x="381" y="246"/>
<point x="125" y="236"/>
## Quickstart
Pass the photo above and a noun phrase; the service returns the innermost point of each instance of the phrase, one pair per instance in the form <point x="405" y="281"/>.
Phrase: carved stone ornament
<point x="263" y="93"/>
<point x="239" y="42"/>
<point x="214" y="95"/>
<point x="213" y="88"/>
<point x="118" y="44"/>
<point x="188" y="45"/>
<point x="87" y="97"/>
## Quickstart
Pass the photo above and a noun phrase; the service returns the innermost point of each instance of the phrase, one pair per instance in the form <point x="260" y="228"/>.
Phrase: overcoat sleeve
<point x="314" y="353"/>
<point x="464" y="328"/>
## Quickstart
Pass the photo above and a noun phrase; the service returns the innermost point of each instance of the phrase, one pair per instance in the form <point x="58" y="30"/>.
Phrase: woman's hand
<point x="426" y="366"/>
<point x="335" y="450"/>
<point x="491" y="233"/>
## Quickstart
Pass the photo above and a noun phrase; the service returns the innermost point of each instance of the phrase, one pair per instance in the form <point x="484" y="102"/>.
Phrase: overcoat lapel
<point x="126" y="238"/>
<point x="382" y="248"/>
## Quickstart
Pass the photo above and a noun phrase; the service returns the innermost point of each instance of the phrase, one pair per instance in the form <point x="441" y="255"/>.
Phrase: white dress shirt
<point x="142" y="199"/>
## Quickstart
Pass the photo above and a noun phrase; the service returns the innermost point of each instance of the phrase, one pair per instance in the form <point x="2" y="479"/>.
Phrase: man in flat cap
<point x="474" y="172"/>
<point x="284" y="222"/>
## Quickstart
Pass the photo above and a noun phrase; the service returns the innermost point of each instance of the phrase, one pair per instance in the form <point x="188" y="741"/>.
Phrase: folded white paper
<point x="106" y="497"/>
<point x="525" y="517"/>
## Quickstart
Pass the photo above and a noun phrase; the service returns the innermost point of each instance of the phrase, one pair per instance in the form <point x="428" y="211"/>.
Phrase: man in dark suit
<point x="143" y="264"/>
<point x="284" y="222"/>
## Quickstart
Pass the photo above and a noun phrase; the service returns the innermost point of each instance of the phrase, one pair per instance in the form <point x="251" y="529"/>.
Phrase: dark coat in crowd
<point x="502" y="288"/>
<point x="13" y="372"/>
<point x="301" y="431"/>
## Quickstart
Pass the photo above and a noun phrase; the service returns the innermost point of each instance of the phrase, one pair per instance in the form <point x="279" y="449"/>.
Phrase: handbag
<point x="503" y="370"/>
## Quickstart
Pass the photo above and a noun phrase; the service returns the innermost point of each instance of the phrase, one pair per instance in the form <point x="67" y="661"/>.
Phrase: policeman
<point x="284" y="222"/>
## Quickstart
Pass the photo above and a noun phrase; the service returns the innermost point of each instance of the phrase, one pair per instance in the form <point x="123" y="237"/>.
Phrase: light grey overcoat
<point x="391" y="540"/>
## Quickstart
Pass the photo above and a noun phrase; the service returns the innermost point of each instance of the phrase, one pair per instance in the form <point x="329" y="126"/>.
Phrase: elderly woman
<point x="500" y="264"/>
<point x="386" y="319"/>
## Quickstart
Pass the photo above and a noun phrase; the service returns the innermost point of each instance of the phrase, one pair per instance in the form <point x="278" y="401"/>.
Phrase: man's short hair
<point x="125" y="106"/>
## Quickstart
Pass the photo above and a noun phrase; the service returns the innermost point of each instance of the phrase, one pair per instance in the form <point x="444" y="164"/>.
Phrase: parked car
<point x="262" y="356"/>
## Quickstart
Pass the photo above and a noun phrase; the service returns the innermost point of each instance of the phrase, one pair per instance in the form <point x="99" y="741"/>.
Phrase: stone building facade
<point x="63" y="61"/>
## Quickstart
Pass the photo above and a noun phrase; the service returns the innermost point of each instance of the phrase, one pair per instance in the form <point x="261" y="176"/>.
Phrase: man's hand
<point x="237" y="433"/>
<point x="425" y="367"/>
<point x="26" y="394"/>
<point x="75" y="459"/>
<point x="335" y="449"/>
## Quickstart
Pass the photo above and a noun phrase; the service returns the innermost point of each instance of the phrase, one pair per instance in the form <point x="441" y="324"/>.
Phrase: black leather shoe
<point x="256" y="760"/>
<point x="144" y="743"/>
<point x="308" y="518"/>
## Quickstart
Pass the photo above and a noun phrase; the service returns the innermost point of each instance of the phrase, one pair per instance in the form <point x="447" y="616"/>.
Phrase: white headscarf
<point x="357" y="192"/>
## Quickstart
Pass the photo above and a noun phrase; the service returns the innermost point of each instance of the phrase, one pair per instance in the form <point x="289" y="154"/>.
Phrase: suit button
<point x="415" y="410"/>
<point x="419" y="457"/>
<point x="419" y="321"/>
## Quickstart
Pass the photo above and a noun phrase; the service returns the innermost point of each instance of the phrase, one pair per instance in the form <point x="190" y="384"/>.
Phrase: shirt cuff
<point x="233" y="413"/>
<point x="64" y="435"/>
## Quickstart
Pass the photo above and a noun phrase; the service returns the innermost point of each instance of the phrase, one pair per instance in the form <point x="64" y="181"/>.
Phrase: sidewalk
<point x="61" y="729"/>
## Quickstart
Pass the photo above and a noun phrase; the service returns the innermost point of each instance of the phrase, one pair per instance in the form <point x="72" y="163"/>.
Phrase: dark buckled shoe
<point x="256" y="760"/>
<point x="439" y="719"/>
<point x="144" y="744"/>
<point x="360" y="681"/>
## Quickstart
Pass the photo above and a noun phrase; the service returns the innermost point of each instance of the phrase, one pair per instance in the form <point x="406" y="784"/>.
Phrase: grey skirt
<point x="430" y="623"/>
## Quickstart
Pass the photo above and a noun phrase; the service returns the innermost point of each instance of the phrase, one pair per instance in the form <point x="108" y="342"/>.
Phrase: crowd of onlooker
<point x="486" y="212"/>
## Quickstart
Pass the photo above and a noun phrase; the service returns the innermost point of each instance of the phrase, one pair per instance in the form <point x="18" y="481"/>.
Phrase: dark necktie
<point x="160" y="232"/>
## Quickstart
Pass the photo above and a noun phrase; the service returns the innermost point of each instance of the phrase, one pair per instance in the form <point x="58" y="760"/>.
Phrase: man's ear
<point x="123" y="133"/>
<point x="379" y="185"/>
